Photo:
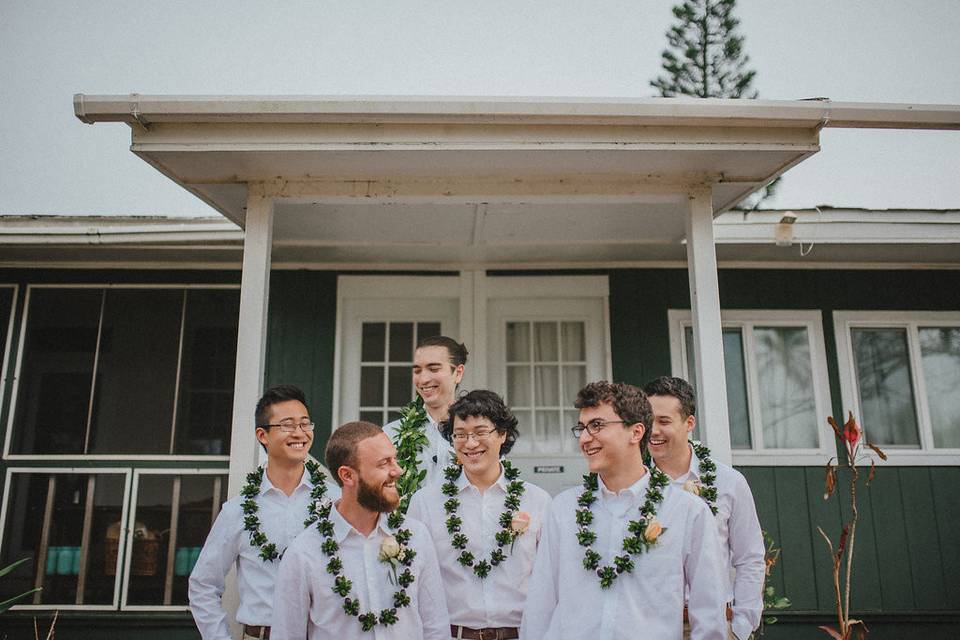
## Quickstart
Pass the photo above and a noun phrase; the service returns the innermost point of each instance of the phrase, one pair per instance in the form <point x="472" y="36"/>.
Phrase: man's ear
<point x="262" y="436"/>
<point x="458" y="373"/>
<point x="691" y="424"/>
<point x="348" y="476"/>
<point x="638" y="430"/>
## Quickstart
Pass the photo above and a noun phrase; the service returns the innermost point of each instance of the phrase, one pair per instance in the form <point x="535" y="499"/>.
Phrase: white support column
<point x="712" y="414"/>
<point x="252" y="336"/>
<point x="473" y="327"/>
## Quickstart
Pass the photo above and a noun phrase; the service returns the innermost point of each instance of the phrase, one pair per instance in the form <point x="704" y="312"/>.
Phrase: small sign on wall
<point x="553" y="468"/>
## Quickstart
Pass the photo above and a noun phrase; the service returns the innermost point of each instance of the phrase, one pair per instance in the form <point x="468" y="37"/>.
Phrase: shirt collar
<point x="693" y="473"/>
<point x="633" y="490"/>
<point x="463" y="482"/>
<point x="342" y="528"/>
<point x="266" y="485"/>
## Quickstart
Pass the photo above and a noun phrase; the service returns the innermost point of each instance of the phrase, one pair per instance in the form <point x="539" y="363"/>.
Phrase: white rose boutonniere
<point x="518" y="526"/>
<point x="693" y="486"/>
<point x="392" y="553"/>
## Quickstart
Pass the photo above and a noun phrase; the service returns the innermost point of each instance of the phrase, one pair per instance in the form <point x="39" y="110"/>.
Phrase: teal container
<point x="75" y="564"/>
<point x="181" y="562"/>
<point x="64" y="561"/>
<point x="52" y="554"/>
<point x="194" y="555"/>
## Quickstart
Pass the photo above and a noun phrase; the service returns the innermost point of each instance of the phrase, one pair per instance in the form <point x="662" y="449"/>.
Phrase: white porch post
<point x="712" y="415"/>
<point x="252" y="336"/>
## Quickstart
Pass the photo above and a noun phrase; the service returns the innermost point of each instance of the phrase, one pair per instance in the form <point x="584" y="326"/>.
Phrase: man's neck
<point x="359" y="517"/>
<point x="285" y="476"/>
<point x="625" y="476"/>
<point x="484" y="480"/>
<point x="675" y="466"/>
<point x="439" y="413"/>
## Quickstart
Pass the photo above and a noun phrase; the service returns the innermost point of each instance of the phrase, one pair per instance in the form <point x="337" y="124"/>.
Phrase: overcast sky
<point x="882" y="51"/>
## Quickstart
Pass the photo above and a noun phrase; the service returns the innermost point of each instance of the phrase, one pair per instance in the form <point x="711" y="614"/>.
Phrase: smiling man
<point x="618" y="553"/>
<point x="254" y="528"/>
<point x="438" y="366"/>
<point x="484" y="520"/>
<point x="352" y="572"/>
<point x="722" y="488"/>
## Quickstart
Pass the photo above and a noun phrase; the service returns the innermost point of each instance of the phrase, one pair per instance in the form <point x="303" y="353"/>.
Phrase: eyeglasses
<point x="479" y="435"/>
<point x="291" y="426"/>
<point x="593" y="427"/>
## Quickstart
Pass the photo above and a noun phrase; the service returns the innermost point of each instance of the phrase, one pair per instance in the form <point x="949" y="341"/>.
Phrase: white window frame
<point x="11" y="412"/>
<point x="121" y="550"/>
<point x="746" y="319"/>
<point x="127" y="549"/>
<point x="911" y="321"/>
<point x="5" y="357"/>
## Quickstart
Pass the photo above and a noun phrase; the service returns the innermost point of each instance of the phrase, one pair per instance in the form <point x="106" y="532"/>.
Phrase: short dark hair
<point x="629" y="403"/>
<point x="679" y="389"/>
<point x="341" y="448"/>
<point x="457" y="350"/>
<point x="481" y="403"/>
<point x="276" y="395"/>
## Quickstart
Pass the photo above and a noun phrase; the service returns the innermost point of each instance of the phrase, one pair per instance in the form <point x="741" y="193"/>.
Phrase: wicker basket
<point x="146" y="551"/>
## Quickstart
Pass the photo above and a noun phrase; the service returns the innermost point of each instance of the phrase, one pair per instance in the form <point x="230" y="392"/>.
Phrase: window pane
<point x="401" y="342"/>
<point x="572" y="334"/>
<point x="158" y="577"/>
<point x="427" y="329"/>
<point x="371" y="386"/>
<point x="518" y="342"/>
<point x="736" y="375"/>
<point x="884" y="382"/>
<point x="57" y="371"/>
<point x="574" y="379"/>
<point x="546" y="386"/>
<point x="376" y="417"/>
<point x="524" y="443"/>
<point x="207" y="369"/>
<point x="518" y="386"/>
<point x="787" y="405"/>
<point x="545" y="342"/>
<point x="549" y="432"/>
<point x="373" y="344"/>
<point x="401" y="386"/>
<point x="6" y="306"/>
<point x="940" y="352"/>
<point x="136" y="372"/>
<point x="54" y="511"/>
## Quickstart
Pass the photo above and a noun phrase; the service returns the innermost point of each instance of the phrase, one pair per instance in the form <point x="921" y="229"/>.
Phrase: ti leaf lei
<point x="251" y="522"/>
<point x="708" y="475"/>
<point x="410" y="439"/>
<point x="505" y="536"/>
<point x="342" y="586"/>
<point x="640" y="541"/>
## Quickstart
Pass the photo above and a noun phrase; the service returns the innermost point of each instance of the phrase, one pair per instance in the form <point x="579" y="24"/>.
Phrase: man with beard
<point x="355" y="570"/>
<point x="487" y="556"/>
<point x="619" y="552"/>
<point x="254" y="528"/>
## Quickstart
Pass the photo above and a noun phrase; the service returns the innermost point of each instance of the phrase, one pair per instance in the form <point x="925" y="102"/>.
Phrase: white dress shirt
<point x="307" y="607"/>
<point x="228" y="543"/>
<point x="436" y="455"/>
<point x="741" y="543"/>
<point x="498" y="600"/>
<point x="565" y="600"/>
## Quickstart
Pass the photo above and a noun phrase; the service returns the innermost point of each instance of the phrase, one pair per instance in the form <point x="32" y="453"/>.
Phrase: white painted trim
<point x="12" y="404"/>
<point x="121" y="550"/>
<point x="707" y="332"/>
<point x="385" y="286"/>
<point x="526" y="287"/>
<point x="910" y="321"/>
<point x="812" y="320"/>
<point x="127" y="558"/>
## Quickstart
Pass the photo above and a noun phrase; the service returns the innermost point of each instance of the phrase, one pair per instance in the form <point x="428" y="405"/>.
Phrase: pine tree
<point x="705" y="57"/>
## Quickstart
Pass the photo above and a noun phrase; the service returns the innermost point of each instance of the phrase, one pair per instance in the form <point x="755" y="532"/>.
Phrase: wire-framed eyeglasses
<point x="593" y="427"/>
<point x="289" y="426"/>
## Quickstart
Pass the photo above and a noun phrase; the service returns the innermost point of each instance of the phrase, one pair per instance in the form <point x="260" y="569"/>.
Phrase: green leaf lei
<point x="342" y="586"/>
<point x="251" y="523"/>
<point x="410" y="439"/>
<point x="708" y="475"/>
<point x="505" y="536"/>
<point x="633" y="545"/>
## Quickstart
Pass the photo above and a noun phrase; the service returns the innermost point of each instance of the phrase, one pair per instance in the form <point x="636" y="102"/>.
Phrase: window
<point x="125" y="371"/>
<point x="900" y="375"/>
<point x="776" y="378"/>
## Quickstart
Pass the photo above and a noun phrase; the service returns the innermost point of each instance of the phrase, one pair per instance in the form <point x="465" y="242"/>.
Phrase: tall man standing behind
<point x="617" y="554"/>
<point x="438" y="366"/>
<point x="722" y="488"/>
<point x="276" y="498"/>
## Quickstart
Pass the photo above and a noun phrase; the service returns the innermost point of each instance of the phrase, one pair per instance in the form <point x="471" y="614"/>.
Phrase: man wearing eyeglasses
<point x="484" y="521"/>
<point x="618" y="552"/>
<point x="253" y="529"/>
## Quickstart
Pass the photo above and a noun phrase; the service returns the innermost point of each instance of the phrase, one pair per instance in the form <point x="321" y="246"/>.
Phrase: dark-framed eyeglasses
<point x="291" y="426"/>
<point x="593" y="427"/>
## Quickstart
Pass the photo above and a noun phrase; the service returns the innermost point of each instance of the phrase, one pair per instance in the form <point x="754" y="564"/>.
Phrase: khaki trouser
<point x="730" y="634"/>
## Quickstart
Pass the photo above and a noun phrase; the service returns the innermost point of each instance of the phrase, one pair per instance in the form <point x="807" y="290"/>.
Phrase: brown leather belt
<point x="686" y="618"/>
<point x="492" y="633"/>
<point x="256" y="632"/>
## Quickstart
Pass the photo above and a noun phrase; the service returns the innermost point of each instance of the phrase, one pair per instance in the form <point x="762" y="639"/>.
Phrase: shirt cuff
<point x="741" y="628"/>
